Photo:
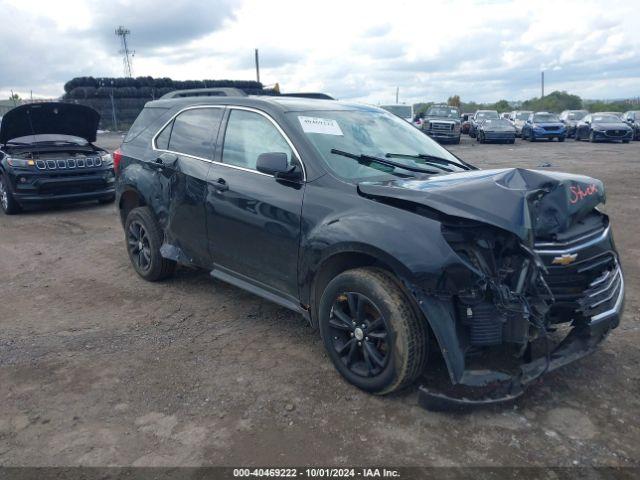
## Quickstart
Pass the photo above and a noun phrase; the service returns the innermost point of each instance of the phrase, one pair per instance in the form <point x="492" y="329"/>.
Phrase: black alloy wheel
<point x="359" y="334"/>
<point x="373" y="335"/>
<point x="139" y="247"/>
<point x="144" y="237"/>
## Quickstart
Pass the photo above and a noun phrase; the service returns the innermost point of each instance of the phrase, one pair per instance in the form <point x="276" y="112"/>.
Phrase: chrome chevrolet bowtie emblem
<point x="565" y="259"/>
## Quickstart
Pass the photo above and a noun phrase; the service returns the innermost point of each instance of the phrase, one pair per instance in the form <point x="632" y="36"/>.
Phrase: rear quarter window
<point x="147" y="116"/>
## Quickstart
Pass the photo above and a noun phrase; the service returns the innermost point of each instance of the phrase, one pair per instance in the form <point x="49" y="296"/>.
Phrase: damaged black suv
<point x="47" y="157"/>
<point x="389" y="244"/>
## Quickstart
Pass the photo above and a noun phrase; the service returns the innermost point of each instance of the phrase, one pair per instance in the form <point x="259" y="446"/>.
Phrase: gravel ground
<point x="98" y="367"/>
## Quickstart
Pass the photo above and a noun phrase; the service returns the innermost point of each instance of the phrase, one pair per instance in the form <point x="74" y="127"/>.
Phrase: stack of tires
<point x="130" y="94"/>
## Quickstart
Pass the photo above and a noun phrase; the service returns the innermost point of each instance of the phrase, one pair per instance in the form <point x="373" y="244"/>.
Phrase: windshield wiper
<point x="369" y="159"/>
<point x="432" y="160"/>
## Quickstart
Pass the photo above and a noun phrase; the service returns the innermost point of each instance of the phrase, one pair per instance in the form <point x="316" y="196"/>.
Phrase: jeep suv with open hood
<point x="396" y="250"/>
<point x="47" y="156"/>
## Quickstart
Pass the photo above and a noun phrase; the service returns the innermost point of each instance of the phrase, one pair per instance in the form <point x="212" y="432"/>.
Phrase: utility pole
<point x="257" y="67"/>
<point x="397" y="93"/>
<point x="542" y="83"/>
<point x="122" y="32"/>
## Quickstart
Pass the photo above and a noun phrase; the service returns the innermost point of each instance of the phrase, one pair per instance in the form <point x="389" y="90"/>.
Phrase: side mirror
<point x="277" y="164"/>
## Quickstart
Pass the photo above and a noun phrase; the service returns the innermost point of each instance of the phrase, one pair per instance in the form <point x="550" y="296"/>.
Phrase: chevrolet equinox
<point x="395" y="249"/>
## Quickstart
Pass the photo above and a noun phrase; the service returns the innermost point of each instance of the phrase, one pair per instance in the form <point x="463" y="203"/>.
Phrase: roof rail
<point x="319" y="96"/>
<point x="206" y="92"/>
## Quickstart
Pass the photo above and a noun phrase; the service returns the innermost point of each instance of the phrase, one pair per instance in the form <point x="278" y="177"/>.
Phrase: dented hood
<point x="50" y="118"/>
<point x="528" y="203"/>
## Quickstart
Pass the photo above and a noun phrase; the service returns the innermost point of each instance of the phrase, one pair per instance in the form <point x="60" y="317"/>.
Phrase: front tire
<point x="592" y="137"/>
<point x="7" y="202"/>
<point x="373" y="336"/>
<point x="144" y="238"/>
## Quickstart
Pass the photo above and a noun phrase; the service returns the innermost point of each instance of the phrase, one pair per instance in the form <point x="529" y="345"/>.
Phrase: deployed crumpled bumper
<point x="498" y="386"/>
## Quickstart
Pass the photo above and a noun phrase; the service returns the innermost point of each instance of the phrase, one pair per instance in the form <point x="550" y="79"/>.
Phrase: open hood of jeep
<point x="529" y="203"/>
<point x="50" y="118"/>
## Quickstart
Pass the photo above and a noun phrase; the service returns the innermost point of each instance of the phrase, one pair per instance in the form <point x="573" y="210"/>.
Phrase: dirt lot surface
<point x="98" y="367"/>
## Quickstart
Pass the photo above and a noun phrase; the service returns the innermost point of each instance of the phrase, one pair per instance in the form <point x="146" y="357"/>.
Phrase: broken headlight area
<point x="507" y="302"/>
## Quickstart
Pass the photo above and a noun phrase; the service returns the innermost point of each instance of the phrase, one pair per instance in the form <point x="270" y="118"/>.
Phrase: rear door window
<point x="193" y="132"/>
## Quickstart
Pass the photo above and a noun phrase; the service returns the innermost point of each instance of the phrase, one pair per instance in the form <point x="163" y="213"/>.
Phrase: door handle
<point x="220" y="185"/>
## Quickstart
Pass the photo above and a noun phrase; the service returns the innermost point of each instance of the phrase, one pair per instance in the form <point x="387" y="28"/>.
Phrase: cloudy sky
<point x="481" y="50"/>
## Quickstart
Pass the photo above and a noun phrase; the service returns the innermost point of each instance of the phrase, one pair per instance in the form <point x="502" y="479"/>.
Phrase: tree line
<point x="556" y="101"/>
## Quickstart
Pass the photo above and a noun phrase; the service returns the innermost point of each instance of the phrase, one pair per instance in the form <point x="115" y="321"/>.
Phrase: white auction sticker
<point x="325" y="126"/>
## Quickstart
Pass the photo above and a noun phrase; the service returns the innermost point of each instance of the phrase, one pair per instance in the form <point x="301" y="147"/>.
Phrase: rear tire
<point x="372" y="334"/>
<point x="7" y="202"/>
<point x="143" y="237"/>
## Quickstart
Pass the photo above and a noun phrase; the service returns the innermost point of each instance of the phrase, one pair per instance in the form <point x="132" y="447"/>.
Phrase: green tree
<point x="502" y="106"/>
<point x="554" y="102"/>
<point x="454" y="101"/>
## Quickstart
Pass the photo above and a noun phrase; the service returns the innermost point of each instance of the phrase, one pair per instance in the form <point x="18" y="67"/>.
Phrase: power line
<point x="122" y="32"/>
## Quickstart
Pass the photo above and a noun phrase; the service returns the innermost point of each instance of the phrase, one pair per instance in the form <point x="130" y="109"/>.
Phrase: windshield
<point x="443" y="112"/>
<point x="404" y="111"/>
<point x="605" y="119"/>
<point x="545" y="117"/>
<point x="367" y="132"/>
<point x="49" y="138"/>
<point x="487" y="114"/>
<point x="523" y="115"/>
<point x="576" y="115"/>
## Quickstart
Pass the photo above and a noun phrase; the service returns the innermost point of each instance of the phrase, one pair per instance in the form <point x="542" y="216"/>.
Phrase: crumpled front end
<point x="525" y="311"/>
<point x="537" y="283"/>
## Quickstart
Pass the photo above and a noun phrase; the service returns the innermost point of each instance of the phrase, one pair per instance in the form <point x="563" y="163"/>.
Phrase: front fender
<point x="419" y="257"/>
